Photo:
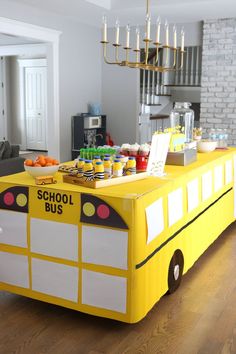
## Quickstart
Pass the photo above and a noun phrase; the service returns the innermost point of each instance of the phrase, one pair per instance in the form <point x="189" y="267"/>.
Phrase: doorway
<point x="50" y="39"/>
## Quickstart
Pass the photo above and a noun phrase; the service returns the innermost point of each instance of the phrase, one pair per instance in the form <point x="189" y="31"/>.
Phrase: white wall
<point x="120" y="102"/>
<point x="80" y="63"/>
<point x="193" y="33"/>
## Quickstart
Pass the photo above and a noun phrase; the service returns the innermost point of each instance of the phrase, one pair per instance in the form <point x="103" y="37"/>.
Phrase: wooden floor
<point x="199" y="318"/>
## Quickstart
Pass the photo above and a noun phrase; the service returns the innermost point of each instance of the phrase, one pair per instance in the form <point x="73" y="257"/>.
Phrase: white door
<point x="35" y="107"/>
<point x="2" y="117"/>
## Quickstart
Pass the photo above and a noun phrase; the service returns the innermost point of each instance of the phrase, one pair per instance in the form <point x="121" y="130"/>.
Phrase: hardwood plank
<point x="199" y="318"/>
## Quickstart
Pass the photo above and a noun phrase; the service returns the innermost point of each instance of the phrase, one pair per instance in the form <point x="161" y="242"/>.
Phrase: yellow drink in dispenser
<point x="88" y="170"/>
<point x="131" y="166"/>
<point x="117" y="168"/>
<point x="99" y="171"/>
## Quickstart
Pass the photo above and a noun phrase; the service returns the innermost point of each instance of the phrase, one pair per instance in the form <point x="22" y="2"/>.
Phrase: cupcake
<point x="124" y="150"/>
<point x="144" y="149"/>
<point x="134" y="149"/>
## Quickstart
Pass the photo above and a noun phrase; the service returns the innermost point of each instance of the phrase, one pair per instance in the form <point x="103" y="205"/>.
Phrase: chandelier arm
<point x="137" y="51"/>
<point x="175" y="54"/>
<point x="173" y="67"/>
<point x="117" y="54"/>
<point x="146" y="52"/>
<point x="155" y="68"/>
<point x="105" y="55"/>
<point x="157" y="54"/>
<point x="143" y="66"/>
<point x="167" y="57"/>
<point x="127" y="54"/>
<point x="182" y="60"/>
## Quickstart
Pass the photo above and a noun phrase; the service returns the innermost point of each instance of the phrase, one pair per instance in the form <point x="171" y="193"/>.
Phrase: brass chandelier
<point x="158" y="46"/>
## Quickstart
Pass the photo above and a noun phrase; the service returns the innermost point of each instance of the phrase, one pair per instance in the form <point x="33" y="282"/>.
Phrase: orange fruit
<point x="48" y="164"/>
<point x="37" y="165"/>
<point x="41" y="161"/>
<point x="55" y="162"/>
<point x="29" y="162"/>
<point x="48" y="159"/>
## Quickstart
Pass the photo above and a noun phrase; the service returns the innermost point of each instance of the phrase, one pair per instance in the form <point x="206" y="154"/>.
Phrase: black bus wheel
<point x="175" y="271"/>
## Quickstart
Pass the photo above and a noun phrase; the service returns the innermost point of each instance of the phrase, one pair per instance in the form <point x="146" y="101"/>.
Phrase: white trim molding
<point x="28" y="30"/>
<point x="21" y="49"/>
<point x="23" y="63"/>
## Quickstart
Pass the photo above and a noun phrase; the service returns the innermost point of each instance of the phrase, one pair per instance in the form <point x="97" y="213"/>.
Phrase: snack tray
<point x="67" y="168"/>
<point x="73" y="179"/>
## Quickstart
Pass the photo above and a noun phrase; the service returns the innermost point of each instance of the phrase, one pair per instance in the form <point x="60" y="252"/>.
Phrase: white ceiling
<point x="133" y="11"/>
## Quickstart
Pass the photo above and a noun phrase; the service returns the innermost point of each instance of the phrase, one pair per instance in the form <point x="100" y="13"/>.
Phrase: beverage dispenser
<point x="182" y="116"/>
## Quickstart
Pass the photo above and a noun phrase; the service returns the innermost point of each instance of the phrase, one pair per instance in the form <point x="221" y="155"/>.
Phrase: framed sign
<point x="158" y="154"/>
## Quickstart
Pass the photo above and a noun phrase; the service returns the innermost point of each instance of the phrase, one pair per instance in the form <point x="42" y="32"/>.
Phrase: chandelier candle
<point x="148" y="27"/>
<point x="158" y="30"/>
<point x="167" y="33"/>
<point x="182" y="40"/>
<point x="175" y="36"/>
<point x="104" y="37"/>
<point x="117" y="31"/>
<point x="127" y="36"/>
<point x="137" y="39"/>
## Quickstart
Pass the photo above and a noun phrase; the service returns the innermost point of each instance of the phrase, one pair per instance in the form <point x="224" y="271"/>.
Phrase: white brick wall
<point x="218" y="94"/>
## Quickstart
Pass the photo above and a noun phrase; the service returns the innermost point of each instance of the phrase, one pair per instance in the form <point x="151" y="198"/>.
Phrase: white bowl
<point x="206" y="145"/>
<point x="41" y="171"/>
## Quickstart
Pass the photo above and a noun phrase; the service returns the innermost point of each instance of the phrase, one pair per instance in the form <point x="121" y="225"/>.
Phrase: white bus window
<point x="175" y="206"/>
<point x="155" y="219"/>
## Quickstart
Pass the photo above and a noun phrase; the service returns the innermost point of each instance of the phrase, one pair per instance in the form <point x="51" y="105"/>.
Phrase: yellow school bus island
<point x="114" y="251"/>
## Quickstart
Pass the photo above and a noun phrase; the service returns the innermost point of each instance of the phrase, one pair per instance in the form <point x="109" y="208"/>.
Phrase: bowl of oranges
<point x="41" y="166"/>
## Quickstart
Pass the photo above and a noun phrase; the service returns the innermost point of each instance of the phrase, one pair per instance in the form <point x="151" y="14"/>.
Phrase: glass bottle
<point x="212" y="134"/>
<point x="131" y="166"/>
<point x="182" y="118"/>
<point x="225" y="138"/>
<point x="99" y="170"/>
<point x="107" y="167"/>
<point x="117" y="168"/>
<point x="80" y="166"/>
<point x="88" y="170"/>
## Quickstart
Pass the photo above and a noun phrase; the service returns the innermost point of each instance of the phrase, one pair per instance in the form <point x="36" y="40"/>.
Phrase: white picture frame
<point x="158" y="154"/>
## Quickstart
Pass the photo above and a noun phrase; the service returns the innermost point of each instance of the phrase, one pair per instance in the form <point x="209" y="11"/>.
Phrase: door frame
<point x="3" y="97"/>
<point x="51" y="38"/>
<point x="24" y="63"/>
